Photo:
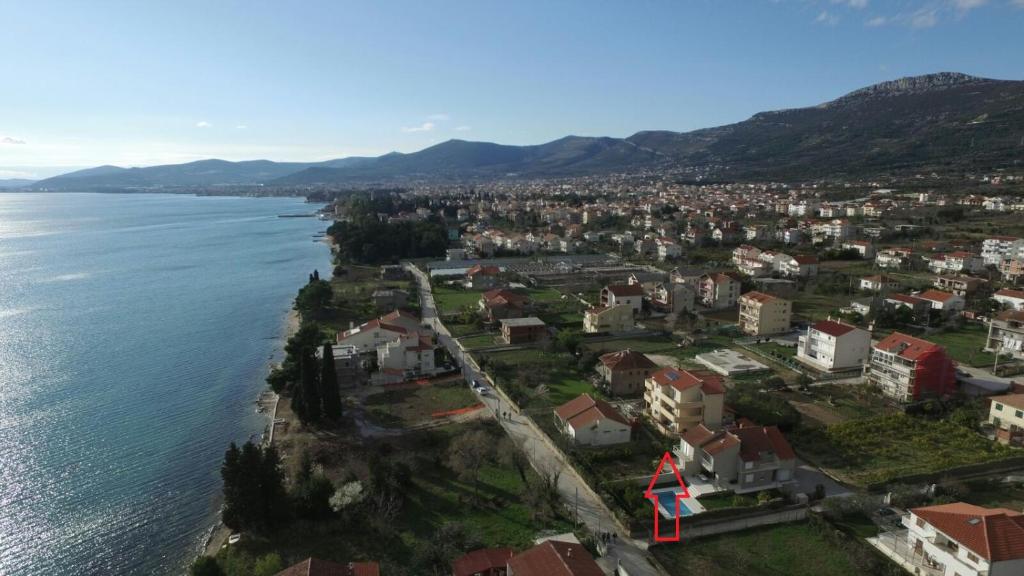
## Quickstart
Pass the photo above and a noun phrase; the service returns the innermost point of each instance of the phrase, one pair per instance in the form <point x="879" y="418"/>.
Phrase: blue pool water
<point x="135" y="333"/>
<point x="667" y="502"/>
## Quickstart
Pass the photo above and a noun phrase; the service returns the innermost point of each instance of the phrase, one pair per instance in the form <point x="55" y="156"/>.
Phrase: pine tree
<point x="309" y="390"/>
<point x="232" y="476"/>
<point x="329" y="392"/>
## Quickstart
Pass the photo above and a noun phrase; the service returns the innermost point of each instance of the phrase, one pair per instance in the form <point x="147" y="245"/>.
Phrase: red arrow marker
<point x="650" y="495"/>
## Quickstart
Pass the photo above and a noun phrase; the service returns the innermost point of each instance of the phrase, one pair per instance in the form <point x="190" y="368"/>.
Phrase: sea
<point x="136" y="331"/>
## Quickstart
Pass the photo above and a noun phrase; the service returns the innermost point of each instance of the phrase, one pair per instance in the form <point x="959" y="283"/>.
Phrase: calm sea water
<point x="135" y="333"/>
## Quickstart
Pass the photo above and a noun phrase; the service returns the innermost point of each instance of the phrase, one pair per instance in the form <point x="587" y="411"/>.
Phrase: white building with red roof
<point x="956" y="263"/>
<point x="947" y="302"/>
<point x="741" y="459"/>
<point x="677" y="400"/>
<point x="369" y="336"/>
<point x="1009" y="298"/>
<point x="959" y="539"/>
<point x="832" y="346"/>
<point x="554" y="558"/>
<point x="631" y="295"/>
<point x="589" y="421"/>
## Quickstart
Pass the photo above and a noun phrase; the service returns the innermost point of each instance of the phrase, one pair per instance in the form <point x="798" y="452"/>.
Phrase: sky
<point x="141" y="83"/>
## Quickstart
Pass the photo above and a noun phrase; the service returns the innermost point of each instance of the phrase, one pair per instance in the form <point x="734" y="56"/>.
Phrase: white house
<point x="799" y="266"/>
<point x="879" y="283"/>
<point x="631" y="295"/>
<point x="947" y="302"/>
<point x="589" y="421"/>
<point x="863" y="247"/>
<point x="379" y="331"/>
<point x="834" y="346"/>
<point x="998" y="248"/>
<point x="962" y="539"/>
<point x="408" y="356"/>
<point x="1010" y="298"/>
<point x="956" y="262"/>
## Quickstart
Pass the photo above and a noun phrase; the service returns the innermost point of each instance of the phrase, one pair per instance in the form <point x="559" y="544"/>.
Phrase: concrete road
<point x="580" y="501"/>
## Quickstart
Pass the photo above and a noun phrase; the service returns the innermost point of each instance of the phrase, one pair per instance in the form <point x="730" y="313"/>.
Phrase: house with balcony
<point x="958" y="284"/>
<point x="631" y="295"/>
<point x="589" y="421"/>
<point x="671" y="298"/>
<point x="998" y="248"/>
<point x="946" y="302"/>
<point x="409" y="356"/>
<point x="1010" y="299"/>
<point x="958" y="539"/>
<point x="718" y="291"/>
<point x="879" y="283"/>
<point x="676" y="400"/>
<point x="367" y="337"/>
<point x="624" y="372"/>
<point x="500" y="303"/>
<point x="799" y="266"/>
<point x="1006" y="333"/>
<point x="958" y="262"/>
<point x="481" y="277"/>
<point x="906" y="369"/>
<point x="613" y="318"/>
<point x="762" y="314"/>
<point x="863" y="247"/>
<point x="1006" y="414"/>
<point x="742" y="459"/>
<point x="831" y="346"/>
<point x="523" y="330"/>
<point x="893" y="258"/>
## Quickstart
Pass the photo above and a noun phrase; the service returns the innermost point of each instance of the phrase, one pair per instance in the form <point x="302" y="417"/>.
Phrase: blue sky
<point x="147" y="82"/>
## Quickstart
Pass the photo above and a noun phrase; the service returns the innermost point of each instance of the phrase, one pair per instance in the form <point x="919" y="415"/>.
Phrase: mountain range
<point x="946" y="122"/>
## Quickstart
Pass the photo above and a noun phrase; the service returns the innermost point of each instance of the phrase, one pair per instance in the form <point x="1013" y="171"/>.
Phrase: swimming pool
<point x="667" y="504"/>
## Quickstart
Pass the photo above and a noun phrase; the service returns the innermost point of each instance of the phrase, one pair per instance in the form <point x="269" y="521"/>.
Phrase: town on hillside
<point x="586" y="377"/>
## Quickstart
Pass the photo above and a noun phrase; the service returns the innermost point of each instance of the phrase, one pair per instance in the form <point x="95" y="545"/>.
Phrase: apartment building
<point x="956" y="262"/>
<point x="762" y="314"/>
<point x="625" y="371"/>
<point x="998" y="248"/>
<point x="893" y="258"/>
<point x="718" y="291"/>
<point x="1006" y="333"/>
<point x="1006" y="414"/>
<point x="631" y="295"/>
<point x="906" y="368"/>
<point x="613" y="318"/>
<point x="957" y="284"/>
<point x="832" y="346"/>
<point x="677" y="400"/>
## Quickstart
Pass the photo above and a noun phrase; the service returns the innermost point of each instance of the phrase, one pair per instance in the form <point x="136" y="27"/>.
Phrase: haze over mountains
<point x="942" y="122"/>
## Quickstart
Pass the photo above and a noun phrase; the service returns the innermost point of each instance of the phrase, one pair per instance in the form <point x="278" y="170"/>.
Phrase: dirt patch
<point x="817" y="413"/>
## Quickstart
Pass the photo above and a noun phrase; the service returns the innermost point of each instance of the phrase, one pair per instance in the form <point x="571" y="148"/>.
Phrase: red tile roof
<point x="995" y="534"/>
<point x="759" y="297"/>
<point x="755" y="440"/>
<point x="626" y="360"/>
<point x="621" y="290"/>
<point x="483" y="270"/>
<point x="481" y="560"/>
<point x="552" y="558"/>
<point x="936" y="295"/>
<point x="912" y="348"/>
<point x="584" y="410"/>
<point x="317" y="567"/>
<point x="832" y="328"/>
<point x="685" y="379"/>
<point x="1010" y="293"/>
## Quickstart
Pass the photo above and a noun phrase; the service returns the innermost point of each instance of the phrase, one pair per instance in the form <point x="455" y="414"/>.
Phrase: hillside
<point x="944" y="122"/>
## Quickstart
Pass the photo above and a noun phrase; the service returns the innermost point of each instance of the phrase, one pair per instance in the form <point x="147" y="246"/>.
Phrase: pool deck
<point x="690" y="502"/>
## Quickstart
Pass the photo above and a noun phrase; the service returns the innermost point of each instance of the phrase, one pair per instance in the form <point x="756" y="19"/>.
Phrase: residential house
<point x="1008" y="298"/>
<point x="614" y="318"/>
<point x="348" y="365"/>
<point x="554" y="558"/>
<point x="668" y="249"/>
<point x="946" y="302"/>
<point x="370" y="335"/>
<point x="918" y="306"/>
<point x="863" y="247"/>
<point x="408" y="356"/>
<point x="906" y="369"/>
<point x="500" y="303"/>
<point x="318" y="567"/>
<point x="1012" y="269"/>
<point x="742" y="459"/>
<point x="894" y="258"/>
<point x="523" y="330"/>
<point x="1006" y="414"/>
<point x="483" y="562"/>
<point x="832" y="346"/>
<point x="672" y="298"/>
<point x="956" y="262"/>
<point x="718" y="291"/>
<point x="762" y="314"/>
<point x="1006" y="333"/>
<point x="960" y="539"/>
<point x="998" y="248"/>
<point x="389" y="299"/>
<point x="958" y="284"/>
<point x="625" y="371"/>
<point x="482" y="277"/>
<point x="589" y="421"/>
<point x="799" y="266"/>
<point x="631" y="295"/>
<point x="879" y="283"/>
<point x="677" y="400"/>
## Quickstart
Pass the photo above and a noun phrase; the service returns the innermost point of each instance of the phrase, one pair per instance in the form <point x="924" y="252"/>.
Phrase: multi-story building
<point x="742" y="459"/>
<point x="523" y="330"/>
<point x="906" y="369"/>
<point x="958" y="284"/>
<point x="762" y="314"/>
<point x="799" y="266"/>
<point x="879" y="283"/>
<point x="1006" y="414"/>
<point x="833" y="346"/>
<point x="408" y="356"/>
<point x="960" y="539"/>
<point x="625" y="372"/>
<point x="863" y="247"/>
<point x="1006" y="333"/>
<point x="631" y="295"/>
<point x="369" y="336"/>
<point x="1010" y="299"/>
<point x="894" y="258"/>
<point x="677" y="400"/>
<point x="614" y="318"/>
<point x="956" y="262"/>
<point x="945" y="302"/>
<point x="718" y="291"/>
<point x="998" y="248"/>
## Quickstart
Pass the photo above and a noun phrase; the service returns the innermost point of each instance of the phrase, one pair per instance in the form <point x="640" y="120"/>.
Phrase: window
<point x="972" y="557"/>
<point x="1019" y="413"/>
<point x="748" y="478"/>
<point x="920" y="523"/>
<point x="999" y="407"/>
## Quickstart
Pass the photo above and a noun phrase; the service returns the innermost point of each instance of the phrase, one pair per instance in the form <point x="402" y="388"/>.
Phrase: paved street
<point x="579" y="499"/>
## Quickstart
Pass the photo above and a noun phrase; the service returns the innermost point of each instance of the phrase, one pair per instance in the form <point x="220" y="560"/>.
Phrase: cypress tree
<point x="231" y="474"/>
<point x="250" y="500"/>
<point x="316" y="274"/>
<point x="309" y="390"/>
<point x="329" y="392"/>
<point x="274" y="498"/>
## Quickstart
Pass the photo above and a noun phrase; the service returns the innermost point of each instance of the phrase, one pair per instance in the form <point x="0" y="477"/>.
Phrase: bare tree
<point x="468" y="453"/>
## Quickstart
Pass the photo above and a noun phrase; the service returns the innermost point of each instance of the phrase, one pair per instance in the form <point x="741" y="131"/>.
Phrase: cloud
<point x="1017" y="3"/>
<point x="439" y="117"/>
<point x="241" y="127"/>
<point x="827" y="18"/>
<point x="924" y="18"/>
<point x="11" y="140"/>
<point x="463" y="128"/>
<point x="877" y="21"/>
<point x="858" y="4"/>
<point x="425" y="127"/>
<point x="965" y="5"/>
<point x="203" y="124"/>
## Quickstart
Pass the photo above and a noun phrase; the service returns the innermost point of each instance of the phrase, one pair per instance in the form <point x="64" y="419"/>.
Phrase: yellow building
<point x="762" y="314"/>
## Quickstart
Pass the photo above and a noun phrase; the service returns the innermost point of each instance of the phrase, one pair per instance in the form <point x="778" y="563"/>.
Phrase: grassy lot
<point x="880" y="449"/>
<point x="405" y="407"/>
<point x="809" y="306"/>
<point x="352" y="297"/>
<point x="480" y="341"/>
<point x="996" y="495"/>
<point x="658" y="345"/>
<point x="771" y="551"/>
<point x="521" y="372"/>
<point x="965" y="344"/>
<point x="450" y="300"/>
<point x="770" y="348"/>
<point x="834" y="403"/>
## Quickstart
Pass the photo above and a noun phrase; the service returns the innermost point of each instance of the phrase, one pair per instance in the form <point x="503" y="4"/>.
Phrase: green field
<point x="451" y="300"/>
<point x="557" y="371"/>
<point x="480" y="341"/>
<point x="771" y="551"/>
<point x="405" y="407"/>
<point x="965" y="344"/>
<point x="881" y="449"/>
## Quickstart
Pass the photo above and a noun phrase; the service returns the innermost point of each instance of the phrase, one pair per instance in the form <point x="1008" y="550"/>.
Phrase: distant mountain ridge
<point x="944" y="122"/>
